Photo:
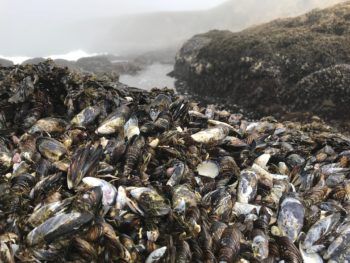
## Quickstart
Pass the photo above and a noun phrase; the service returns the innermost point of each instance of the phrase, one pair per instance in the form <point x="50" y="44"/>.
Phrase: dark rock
<point x="127" y="67"/>
<point x="285" y="65"/>
<point x="96" y="64"/>
<point x="66" y="63"/>
<point x="162" y="55"/>
<point x="108" y="64"/>
<point x="33" y="61"/>
<point x="5" y="63"/>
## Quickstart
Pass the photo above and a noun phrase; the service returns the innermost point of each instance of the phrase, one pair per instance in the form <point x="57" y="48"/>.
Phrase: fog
<point x="42" y="28"/>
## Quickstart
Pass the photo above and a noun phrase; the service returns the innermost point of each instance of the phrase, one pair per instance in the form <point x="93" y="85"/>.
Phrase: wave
<point x="71" y="56"/>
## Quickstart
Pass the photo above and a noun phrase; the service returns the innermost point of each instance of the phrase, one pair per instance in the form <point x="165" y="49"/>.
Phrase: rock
<point x="278" y="67"/>
<point x="127" y="67"/>
<point x="66" y="63"/>
<point x="96" y="64"/>
<point x="108" y="64"/>
<point x="5" y="63"/>
<point x="33" y="61"/>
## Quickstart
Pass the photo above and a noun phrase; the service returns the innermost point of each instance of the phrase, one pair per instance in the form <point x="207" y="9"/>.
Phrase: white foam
<point x="74" y="55"/>
<point x="16" y="60"/>
<point x="71" y="56"/>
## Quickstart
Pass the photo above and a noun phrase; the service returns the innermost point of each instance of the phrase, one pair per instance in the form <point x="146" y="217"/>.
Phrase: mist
<point x="42" y="28"/>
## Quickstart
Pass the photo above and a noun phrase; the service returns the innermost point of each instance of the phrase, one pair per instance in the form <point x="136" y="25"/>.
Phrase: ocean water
<point x="72" y="56"/>
<point x="154" y="76"/>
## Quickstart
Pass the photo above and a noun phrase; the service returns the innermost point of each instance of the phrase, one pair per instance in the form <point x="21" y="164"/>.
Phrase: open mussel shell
<point x="109" y="192"/>
<point x="208" y="169"/>
<point x="50" y="148"/>
<point x="115" y="121"/>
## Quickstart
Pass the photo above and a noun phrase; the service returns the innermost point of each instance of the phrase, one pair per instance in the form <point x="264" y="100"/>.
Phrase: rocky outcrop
<point x="294" y="64"/>
<point x="105" y="64"/>
<point x="5" y="63"/>
<point x="96" y="64"/>
<point x="34" y="61"/>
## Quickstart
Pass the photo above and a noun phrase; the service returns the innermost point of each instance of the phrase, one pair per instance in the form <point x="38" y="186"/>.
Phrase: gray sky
<point x="28" y="20"/>
<point x="46" y="27"/>
<point x="11" y="10"/>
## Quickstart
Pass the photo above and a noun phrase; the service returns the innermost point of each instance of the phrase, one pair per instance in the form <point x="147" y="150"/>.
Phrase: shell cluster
<point x="94" y="171"/>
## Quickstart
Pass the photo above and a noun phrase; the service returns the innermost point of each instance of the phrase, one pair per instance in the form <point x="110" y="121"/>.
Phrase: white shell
<point x="214" y="134"/>
<point x="309" y="257"/>
<point x="262" y="160"/>
<point x="208" y="169"/>
<point x="131" y="128"/>
<point x="156" y="255"/>
<point x="108" y="190"/>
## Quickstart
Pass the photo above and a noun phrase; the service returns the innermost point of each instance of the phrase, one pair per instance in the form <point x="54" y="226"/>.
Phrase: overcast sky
<point x="46" y="27"/>
<point x="16" y="10"/>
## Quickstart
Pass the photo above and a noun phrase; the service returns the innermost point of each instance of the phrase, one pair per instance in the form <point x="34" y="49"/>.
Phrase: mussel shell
<point x="51" y="148"/>
<point x="208" y="169"/>
<point x="115" y="121"/>
<point x="182" y="198"/>
<point x="247" y="186"/>
<point x="44" y="212"/>
<point x="211" y="135"/>
<point x="131" y="128"/>
<point x="291" y="217"/>
<point x="109" y="192"/>
<point x="151" y="202"/>
<point x="49" y="125"/>
<point x="338" y="250"/>
<point x="177" y="174"/>
<point x="260" y="244"/>
<point x="5" y="161"/>
<point x="84" y="163"/>
<point x="86" y="116"/>
<point x="156" y="255"/>
<point x="229" y="244"/>
<point x="320" y="230"/>
<point x="89" y="201"/>
<point x="23" y="182"/>
<point x="288" y="251"/>
<point x="57" y="227"/>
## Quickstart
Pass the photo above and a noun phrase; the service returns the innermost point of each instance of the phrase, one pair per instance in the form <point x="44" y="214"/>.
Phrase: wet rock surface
<point x="274" y="68"/>
<point x="94" y="171"/>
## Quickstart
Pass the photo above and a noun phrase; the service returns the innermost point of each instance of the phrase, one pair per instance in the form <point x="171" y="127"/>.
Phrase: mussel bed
<point x="94" y="171"/>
